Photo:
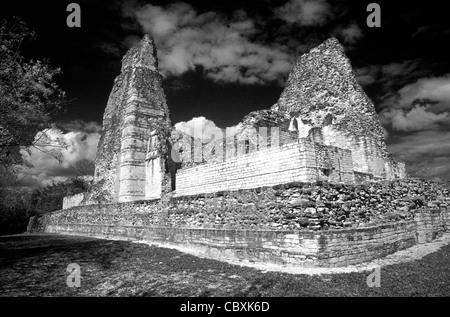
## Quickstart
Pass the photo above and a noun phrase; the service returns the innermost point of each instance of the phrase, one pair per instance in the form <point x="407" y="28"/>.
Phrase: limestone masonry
<point x="324" y="127"/>
<point x="136" y="107"/>
<point x="303" y="224"/>
<point x="309" y="181"/>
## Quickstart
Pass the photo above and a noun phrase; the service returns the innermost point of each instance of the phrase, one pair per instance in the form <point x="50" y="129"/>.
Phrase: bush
<point x="50" y="197"/>
<point x="18" y="204"/>
<point x="14" y="210"/>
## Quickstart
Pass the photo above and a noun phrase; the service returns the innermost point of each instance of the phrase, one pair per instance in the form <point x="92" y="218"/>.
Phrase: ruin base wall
<point x="268" y="225"/>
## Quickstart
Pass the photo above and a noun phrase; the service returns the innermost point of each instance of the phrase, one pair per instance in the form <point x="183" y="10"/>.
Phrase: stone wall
<point x="82" y="199"/>
<point x="446" y="217"/>
<point x="136" y="106"/>
<point x="299" y="206"/>
<point x="291" y="162"/>
<point x="323" y="93"/>
<point x="307" y="249"/>
<point x="322" y="102"/>
<point x="321" y="224"/>
<point x="329" y="155"/>
<point x="322" y="90"/>
<point x="73" y="201"/>
<point x="366" y="154"/>
<point x="191" y="151"/>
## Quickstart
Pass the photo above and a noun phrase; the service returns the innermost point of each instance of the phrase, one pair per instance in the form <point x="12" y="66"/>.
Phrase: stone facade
<point x="308" y="182"/>
<point x="322" y="91"/>
<point x="322" y="106"/>
<point x="136" y="107"/>
<point x="305" y="224"/>
<point x="324" y="127"/>
<point x="300" y="161"/>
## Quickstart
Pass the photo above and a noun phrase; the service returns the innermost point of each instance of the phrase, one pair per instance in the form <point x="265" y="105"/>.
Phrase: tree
<point x="28" y="96"/>
<point x="14" y="204"/>
<point x="49" y="197"/>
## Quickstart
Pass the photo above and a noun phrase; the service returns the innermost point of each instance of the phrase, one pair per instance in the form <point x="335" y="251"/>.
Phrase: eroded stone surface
<point x="322" y="91"/>
<point x="288" y="224"/>
<point x="324" y="127"/>
<point x="137" y="105"/>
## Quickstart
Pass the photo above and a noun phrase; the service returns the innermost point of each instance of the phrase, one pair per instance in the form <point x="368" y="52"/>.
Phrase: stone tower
<point x="322" y="92"/>
<point x="136" y="107"/>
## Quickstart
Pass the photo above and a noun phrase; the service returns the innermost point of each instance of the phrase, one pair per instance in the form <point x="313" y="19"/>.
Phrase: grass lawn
<point x="34" y="265"/>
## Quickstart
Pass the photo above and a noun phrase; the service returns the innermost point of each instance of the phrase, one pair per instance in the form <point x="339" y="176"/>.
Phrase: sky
<point x="224" y="59"/>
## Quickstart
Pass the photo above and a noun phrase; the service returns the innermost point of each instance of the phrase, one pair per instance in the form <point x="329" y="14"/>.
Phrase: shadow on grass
<point x="35" y="265"/>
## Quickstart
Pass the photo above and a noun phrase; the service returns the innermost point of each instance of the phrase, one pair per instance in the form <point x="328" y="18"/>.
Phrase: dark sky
<point x="223" y="59"/>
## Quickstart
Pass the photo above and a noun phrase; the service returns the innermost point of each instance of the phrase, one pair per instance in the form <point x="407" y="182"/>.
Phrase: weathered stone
<point x="136" y="107"/>
<point x="323" y="92"/>
<point x="329" y="108"/>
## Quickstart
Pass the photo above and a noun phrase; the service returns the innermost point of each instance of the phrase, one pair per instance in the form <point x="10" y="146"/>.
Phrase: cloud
<point x="390" y="75"/>
<point x="400" y="68"/>
<point x="207" y="130"/>
<point x="422" y="105"/>
<point x="367" y="75"/>
<point x="418" y="105"/>
<point x="225" y="48"/>
<point x="44" y="168"/>
<point x="417" y="119"/>
<point x="436" y="168"/>
<point x="349" y="34"/>
<point x="435" y="88"/>
<point x="130" y="40"/>
<point x="427" y="153"/>
<point x="110" y="48"/>
<point x="304" y="12"/>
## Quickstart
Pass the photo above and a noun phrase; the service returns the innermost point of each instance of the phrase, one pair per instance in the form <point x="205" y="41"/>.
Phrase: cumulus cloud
<point x="435" y="88"/>
<point x="391" y="74"/>
<point x="204" y="129"/>
<point x="304" y="12"/>
<point x="436" y="168"/>
<point x="427" y="153"/>
<point x="400" y="68"/>
<point x="417" y="105"/>
<point x="225" y="48"/>
<point x="367" y="75"/>
<point x="236" y="47"/>
<point x="422" y="105"/>
<point x="417" y="119"/>
<point x="349" y="34"/>
<point x="42" y="166"/>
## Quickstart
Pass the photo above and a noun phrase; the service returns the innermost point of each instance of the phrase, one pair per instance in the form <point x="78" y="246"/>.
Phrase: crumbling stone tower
<point x="136" y="108"/>
<point x="325" y="99"/>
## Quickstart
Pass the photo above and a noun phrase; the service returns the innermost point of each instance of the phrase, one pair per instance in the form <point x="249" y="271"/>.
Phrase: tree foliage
<point x="28" y="95"/>
<point x="14" y="210"/>
<point x="50" y="197"/>
<point x="14" y="203"/>
<point x="18" y="204"/>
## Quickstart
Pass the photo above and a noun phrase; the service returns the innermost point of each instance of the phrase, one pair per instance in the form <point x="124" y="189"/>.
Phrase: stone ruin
<point x="308" y="182"/>
<point x="136" y="109"/>
<point x="323" y="127"/>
